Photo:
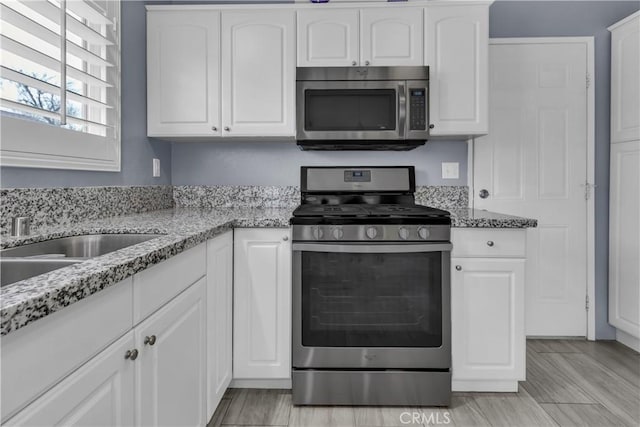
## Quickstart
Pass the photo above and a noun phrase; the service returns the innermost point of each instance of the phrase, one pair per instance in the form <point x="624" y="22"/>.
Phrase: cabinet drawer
<point x="495" y="242"/>
<point x="154" y="287"/>
<point x="36" y="357"/>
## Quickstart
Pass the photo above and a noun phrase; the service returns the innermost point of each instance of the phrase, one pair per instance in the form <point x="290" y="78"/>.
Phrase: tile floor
<point x="569" y="383"/>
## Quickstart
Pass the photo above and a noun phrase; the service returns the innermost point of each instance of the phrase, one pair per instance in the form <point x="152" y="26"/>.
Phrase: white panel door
<point x="258" y="73"/>
<point x="533" y="164"/>
<point x="171" y="373"/>
<point x="625" y="81"/>
<point x="219" y="318"/>
<point x="262" y="304"/>
<point x="487" y="319"/>
<point x="328" y="38"/>
<point x="456" y="52"/>
<point x="183" y="77"/>
<point x="624" y="238"/>
<point x="391" y="37"/>
<point x="100" y="393"/>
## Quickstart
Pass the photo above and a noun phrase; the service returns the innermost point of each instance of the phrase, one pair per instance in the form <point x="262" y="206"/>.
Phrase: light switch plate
<point x="156" y="168"/>
<point x="450" y="170"/>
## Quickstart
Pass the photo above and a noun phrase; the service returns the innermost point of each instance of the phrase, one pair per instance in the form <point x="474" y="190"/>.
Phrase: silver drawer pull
<point x="150" y="340"/>
<point x="459" y="267"/>
<point x="131" y="354"/>
<point x="490" y="243"/>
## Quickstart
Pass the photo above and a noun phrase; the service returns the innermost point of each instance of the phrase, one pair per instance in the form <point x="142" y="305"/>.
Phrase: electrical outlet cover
<point x="450" y="170"/>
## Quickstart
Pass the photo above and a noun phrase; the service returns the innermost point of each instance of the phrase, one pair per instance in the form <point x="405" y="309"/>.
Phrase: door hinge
<point x="586" y="302"/>
<point x="588" y="189"/>
<point x="588" y="80"/>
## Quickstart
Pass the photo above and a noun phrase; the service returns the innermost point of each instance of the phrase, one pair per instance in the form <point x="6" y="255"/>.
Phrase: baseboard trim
<point x="628" y="340"/>
<point x="505" y="386"/>
<point x="284" y="383"/>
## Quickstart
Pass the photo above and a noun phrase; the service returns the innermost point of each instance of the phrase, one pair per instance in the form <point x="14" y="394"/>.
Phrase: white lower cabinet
<point x="171" y="369"/>
<point x="262" y="307"/>
<point x="487" y="310"/>
<point x="219" y="318"/>
<point x="99" y="393"/>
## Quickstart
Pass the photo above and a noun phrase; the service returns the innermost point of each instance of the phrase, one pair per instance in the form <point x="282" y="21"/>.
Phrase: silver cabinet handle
<point x="150" y="340"/>
<point x="490" y="243"/>
<point x="227" y="128"/>
<point x="431" y="126"/>
<point x="213" y="128"/>
<point x="131" y="354"/>
<point x="366" y="63"/>
<point x="483" y="194"/>
<point x="459" y="267"/>
<point x="285" y="238"/>
<point x="354" y="63"/>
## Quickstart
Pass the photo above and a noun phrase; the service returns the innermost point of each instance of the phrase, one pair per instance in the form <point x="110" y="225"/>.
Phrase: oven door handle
<point x="372" y="249"/>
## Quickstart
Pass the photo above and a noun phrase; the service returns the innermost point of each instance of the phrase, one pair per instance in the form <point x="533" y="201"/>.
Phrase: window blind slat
<point x="51" y="12"/>
<point x="26" y="52"/>
<point x="14" y="18"/>
<point x="91" y="14"/>
<point x="7" y="103"/>
<point x="18" y="77"/>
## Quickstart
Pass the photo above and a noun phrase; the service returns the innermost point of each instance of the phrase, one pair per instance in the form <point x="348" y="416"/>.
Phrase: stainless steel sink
<point x="15" y="269"/>
<point x="85" y="246"/>
<point x="31" y="260"/>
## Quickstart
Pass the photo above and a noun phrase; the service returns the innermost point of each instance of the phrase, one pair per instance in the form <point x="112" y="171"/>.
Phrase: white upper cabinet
<point x="456" y="50"/>
<point x="391" y="37"/>
<point x="183" y="83"/>
<point x="258" y="73"/>
<point x="625" y="80"/>
<point x="328" y="38"/>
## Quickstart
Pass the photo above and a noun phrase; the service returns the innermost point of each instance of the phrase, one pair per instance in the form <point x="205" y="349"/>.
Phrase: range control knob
<point x="318" y="233"/>
<point x="424" y="233"/>
<point x="372" y="232"/>
<point x="337" y="233"/>
<point x="403" y="233"/>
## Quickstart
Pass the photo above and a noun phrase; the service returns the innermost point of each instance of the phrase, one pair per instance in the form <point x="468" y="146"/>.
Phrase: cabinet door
<point x="258" y="73"/>
<point x="171" y="374"/>
<point x="487" y="319"/>
<point x="219" y="318"/>
<point x="183" y="83"/>
<point x="328" y="38"/>
<point x="624" y="238"/>
<point x="99" y="393"/>
<point x="391" y="36"/>
<point x="625" y="83"/>
<point x="262" y="304"/>
<point x="457" y="44"/>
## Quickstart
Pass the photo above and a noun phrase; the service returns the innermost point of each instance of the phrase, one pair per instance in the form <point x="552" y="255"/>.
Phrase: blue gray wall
<point x="137" y="150"/>
<point x="578" y="18"/>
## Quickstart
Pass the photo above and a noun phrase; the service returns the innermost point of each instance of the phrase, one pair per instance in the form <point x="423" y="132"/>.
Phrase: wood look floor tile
<point x="542" y="345"/>
<point x="608" y="388"/>
<point x="587" y="415"/>
<point x="513" y="411"/>
<point x="322" y="416"/>
<point x="218" y="415"/>
<point x="618" y="358"/>
<point x="549" y="383"/>
<point x="465" y="412"/>
<point x="259" y="407"/>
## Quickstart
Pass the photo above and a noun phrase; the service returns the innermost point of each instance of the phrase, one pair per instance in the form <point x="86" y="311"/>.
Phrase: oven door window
<point x="330" y="110"/>
<point x="371" y="300"/>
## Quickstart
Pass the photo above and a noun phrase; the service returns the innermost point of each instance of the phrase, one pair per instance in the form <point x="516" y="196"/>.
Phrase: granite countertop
<point x="478" y="218"/>
<point x="179" y="229"/>
<point x="182" y="228"/>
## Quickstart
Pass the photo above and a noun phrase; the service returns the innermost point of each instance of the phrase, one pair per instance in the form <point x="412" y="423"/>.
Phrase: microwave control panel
<point x="417" y="109"/>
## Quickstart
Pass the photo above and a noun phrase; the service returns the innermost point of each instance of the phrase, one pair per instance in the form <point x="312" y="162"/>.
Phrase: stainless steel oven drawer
<point x="388" y="387"/>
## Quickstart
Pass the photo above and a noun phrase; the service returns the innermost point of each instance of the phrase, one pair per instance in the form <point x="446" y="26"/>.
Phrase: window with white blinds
<point x="60" y="68"/>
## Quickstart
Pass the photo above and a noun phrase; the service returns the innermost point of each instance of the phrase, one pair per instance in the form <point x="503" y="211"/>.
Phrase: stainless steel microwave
<point x="362" y="108"/>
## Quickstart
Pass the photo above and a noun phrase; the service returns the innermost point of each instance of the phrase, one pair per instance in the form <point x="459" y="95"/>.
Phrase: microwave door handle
<point x="402" y="109"/>
<point x="371" y="249"/>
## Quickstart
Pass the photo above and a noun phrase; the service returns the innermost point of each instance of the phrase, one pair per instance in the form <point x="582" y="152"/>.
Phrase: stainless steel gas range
<point x="371" y="291"/>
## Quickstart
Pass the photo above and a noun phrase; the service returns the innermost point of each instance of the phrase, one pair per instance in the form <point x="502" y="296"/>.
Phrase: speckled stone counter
<point x="477" y="218"/>
<point x="179" y="229"/>
<point x="29" y="300"/>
